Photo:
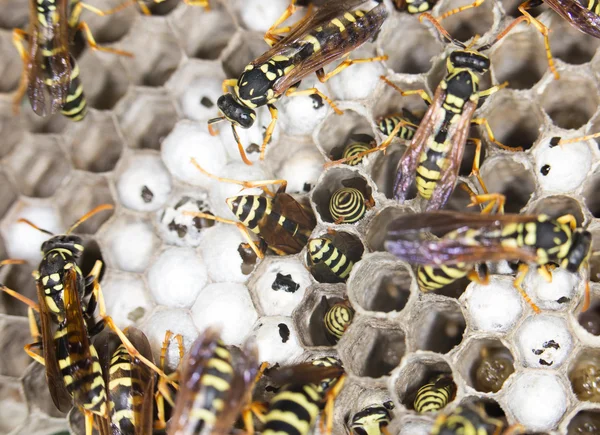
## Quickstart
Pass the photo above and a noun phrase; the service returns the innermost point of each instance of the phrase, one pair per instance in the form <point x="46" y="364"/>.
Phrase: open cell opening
<point x="342" y="243"/>
<point x="337" y="131"/>
<point x="377" y="228"/>
<point x="584" y="375"/>
<point x="595" y="258"/>
<point x="466" y="24"/>
<point x="590" y="319"/>
<point x="372" y="350"/>
<point x="486" y="364"/>
<point x="162" y="8"/>
<point x="18" y="278"/>
<point x="440" y="329"/>
<point x="515" y="122"/>
<point x="91" y="254"/>
<point x="8" y="193"/>
<point x="510" y="178"/>
<point x="584" y="423"/>
<point x="110" y="28"/>
<point x="571" y="45"/>
<point x="104" y="80"/>
<point x="385" y="170"/>
<point x="511" y="8"/>
<point x="15" y="15"/>
<point x="317" y="331"/>
<point x="557" y="206"/>
<point x="590" y="194"/>
<point x="247" y="47"/>
<point x="81" y="196"/>
<point x="571" y="101"/>
<point x="460" y="199"/>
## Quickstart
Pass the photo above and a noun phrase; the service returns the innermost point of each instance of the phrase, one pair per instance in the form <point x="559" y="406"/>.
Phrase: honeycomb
<point x="165" y="269"/>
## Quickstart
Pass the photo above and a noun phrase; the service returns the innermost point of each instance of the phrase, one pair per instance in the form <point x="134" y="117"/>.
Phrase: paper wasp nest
<point x="167" y="270"/>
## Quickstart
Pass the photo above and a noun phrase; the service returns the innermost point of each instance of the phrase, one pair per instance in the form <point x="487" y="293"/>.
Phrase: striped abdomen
<point x="435" y="395"/>
<point x="337" y="319"/>
<point x="250" y="210"/>
<point x="75" y="107"/>
<point x="322" y="250"/>
<point x="370" y="420"/>
<point x="432" y="278"/>
<point x="387" y="124"/>
<point x="355" y="149"/>
<point x="347" y="205"/>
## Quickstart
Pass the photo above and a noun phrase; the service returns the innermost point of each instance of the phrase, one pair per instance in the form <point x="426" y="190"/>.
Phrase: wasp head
<point x="235" y="112"/>
<point x="71" y="243"/>
<point x="580" y="251"/>
<point x="469" y="59"/>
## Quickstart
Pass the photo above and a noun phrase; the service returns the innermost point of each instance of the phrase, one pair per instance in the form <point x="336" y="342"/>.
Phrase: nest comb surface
<point x="148" y="117"/>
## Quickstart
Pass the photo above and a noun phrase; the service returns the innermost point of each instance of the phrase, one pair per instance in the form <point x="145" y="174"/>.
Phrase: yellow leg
<point x="327" y="419"/>
<point x="576" y="139"/>
<point x="384" y="431"/>
<point x="475" y="277"/>
<point x="490" y="133"/>
<point x="586" y="297"/>
<point x="80" y="5"/>
<point x="163" y="393"/>
<point x="202" y="3"/>
<point x="89" y="422"/>
<point x="19" y="36"/>
<point x="495" y="200"/>
<point x="345" y="64"/>
<point x="568" y="219"/>
<point x="94" y="46"/>
<point x="475" y="4"/>
<point x="492" y="90"/>
<point x="31" y="304"/>
<point x="544" y="31"/>
<point x="269" y="132"/>
<point x="271" y="37"/>
<point x="420" y="92"/>
<point x="544" y="270"/>
<point x="314" y="91"/>
<point x="523" y="269"/>
<point x="228" y="83"/>
<point x="37" y="338"/>
<point x="475" y="168"/>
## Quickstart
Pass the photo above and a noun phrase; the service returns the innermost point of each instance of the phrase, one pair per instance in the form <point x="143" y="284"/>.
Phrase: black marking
<point x="284" y="332"/>
<point x="563" y="300"/>
<point x="272" y="389"/>
<point x="317" y="101"/>
<point x="253" y="148"/>
<point x="307" y="187"/>
<point x="551" y="344"/>
<point x="180" y="229"/>
<point x="545" y="169"/>
<point x="147" y="194"/>
<point x="285" y="283"/>
<point x="537" y="351"/>
<point x="554" y="141"/>
<point x="545" y="363"/>
<point x="207" y="102"/>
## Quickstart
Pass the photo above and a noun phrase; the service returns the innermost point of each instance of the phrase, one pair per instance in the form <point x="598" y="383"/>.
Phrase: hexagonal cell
<point x="438" y="327"/>
<point x="178" y="228"/>
<point x="18" y="278"/>
<point x="277" y="340"/>
<point x="12" y="128"/>
<point x="9" y="193"/>
<point x="358" y="403"/>
<point x="372" y="347"/>
<point x="401" y="46"/>
<point x="241" y="50"/>
<point x="309" y="316"/>
<point x="584" y="423"/>
<point x="10" y="71"/>
<point x="571" y="101"/>
<point x="152" y="64"/>
<point x="416" y="371"/>
<point x="83" y="193"/>
<point x="557" y="206"/>
<point x="203" y="34"/>
<point x="146" y="117"/>
<point x="39" y="165"/>
<point x="331" y="256"/>
<point x="107" y="29"/>
<point x="572" y="46"/>
<point x="510" y="177"/>
<point x="590" y="319"/>
<point x="302" y="170"/>
<point x="13" y="408"/>
<point x="380" y="283"/>
<point x="95" y="143"/>
<point x="302" y="114"/>
<point x="584" y="374"/>
<point x="17" y="14"/>
<point x="554" y="166"/>
<point x="537" y="399"/>
<point x="15" y="335"/>
<point x="378" y="226"/>
<point x="515" y="121"/>
<point x="36" y="390"/>
<point x="467" y="24"/>
<point x="130" y="243"/>
<point x="126" y="297"/>
<point x="486" y="364"/>
<point x="590" y="188"/>
<point x="543" y="341"/>
<point x="520" y="58"/>
<point x="351" y="193"/>
<point x="278" y="285"/>
<point x="338" y="131"/>
<point x="104" y="79"/>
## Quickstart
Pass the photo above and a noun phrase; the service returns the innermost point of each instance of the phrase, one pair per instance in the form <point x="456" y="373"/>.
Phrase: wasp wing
<point x="578" y="15"/>
<point x="305" y="373"/>
<point x="58" y="391"/>
<point x="407" y="166"/>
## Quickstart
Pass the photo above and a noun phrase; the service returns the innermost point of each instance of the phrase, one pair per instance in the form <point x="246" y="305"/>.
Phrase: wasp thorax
<point x="468" y="59"/>
<point x="580" y="251"/>
<point x="236" y="112"/>
<point x="71" y="243"/>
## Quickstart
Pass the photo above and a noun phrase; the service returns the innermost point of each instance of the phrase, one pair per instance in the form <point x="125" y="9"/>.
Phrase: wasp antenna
<point x="31" y="224"/>
<point x="11" y="261"/>
<point x="215" y="120"/>
<point x="443" y="32"/>
<point x="514" y="23"/>
<point x="88" y="215"/>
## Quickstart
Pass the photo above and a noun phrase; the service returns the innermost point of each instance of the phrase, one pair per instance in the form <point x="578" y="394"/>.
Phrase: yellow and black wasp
<point x="337" y="319"/>
<point x="282" y="223"/>
<point x="372" y="419"/>
<point x="468" y="239"/>
<point x="435" y="395"/>
<point x="329" y="33"/>
<point x="472" y="419"/>
<point x="331" y="257"/>
<point x="309" y="388"/>
<point x="50" y="74"/>
<point x="414" y="6"/>
<point x="215" y="388"/>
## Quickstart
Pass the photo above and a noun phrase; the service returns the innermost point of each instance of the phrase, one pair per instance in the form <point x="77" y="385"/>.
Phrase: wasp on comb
<point x="324" y="36"/>
<point x="468" y="239"/>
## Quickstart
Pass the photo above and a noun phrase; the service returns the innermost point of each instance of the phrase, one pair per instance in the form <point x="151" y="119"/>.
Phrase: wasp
<point x="281" y="222"/>
<point x="337" y="319"/>
<point x="414" y="6"/>
<point x="372" y="419"/>
<point x="332" y="257"/>
<point x="311" y="386"/>
<point x="472" y="418"/>
<point x="348" y="205"/>
<point x="435" y="395"/>
<point x="468" y="239"/>
<point x="50" y="74"/>
<point x="215" y="387"/>
<point x="493" y="369"/>
<point x="323" y="36"/>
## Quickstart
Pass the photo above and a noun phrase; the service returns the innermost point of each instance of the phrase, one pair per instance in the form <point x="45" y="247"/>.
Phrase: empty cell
<point x="112" y="28"/>
<point x="301" y="115"/>
<point x="338" y="130"/>
<point x="584" y="374"/>
<point x="13" y="406"/>
<point x="15" y="335"/>
<point x="495" y="307"/>
<point x="104" y="78"/>
<point x="224" y="257"/>
<point x="537" y="399"/>
<point x="38" y="165"/>
<point x="554" y="166"/>
<point x="440" y="327"/>
<point x="510" y="177"/>
<point x="569" y="44"/>
<point x="486" y="364"/>
<point x="553" y="295"/>
<point x="176" y="227"/>
<point x="17" y="277"/>
<point x="590" y="190"/>
<point x="279" y="285"/>
<point x="302" y="170"/>
<point x="276" y="340"/>
<point x="127" y="299"/>
<point x="465" y="25"/>
<point x="584" y="423"/>
<point x="189" y="140"/>
<point x="130" y="243"/>
<point x="372" y="348"/>
<point x="95" y="144"/>
<point x="176" y="277"/>
<point x="10" y="71"/>
<point x="145" y="118"/>
<point x="37" y="393"/>
<point x="8" y="195"/>
<point x="543" y="341"/>
<point x="571" y="101"/>
<point x="144" y="183"/>
<point x="228" y="307"/>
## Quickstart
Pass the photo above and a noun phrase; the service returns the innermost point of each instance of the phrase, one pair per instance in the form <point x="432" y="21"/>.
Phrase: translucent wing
<point x="144" y="377"/>
<point x="305" y="373"/>
<point x="578" y="15"/>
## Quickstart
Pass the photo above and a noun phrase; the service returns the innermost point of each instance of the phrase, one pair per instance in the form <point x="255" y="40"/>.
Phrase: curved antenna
<point x="215" y="120"/>
<point x="502" y="34"/>
<point x="443" y="32"/>
<point x="31" y="224"/>
<point x="89" y="214"/>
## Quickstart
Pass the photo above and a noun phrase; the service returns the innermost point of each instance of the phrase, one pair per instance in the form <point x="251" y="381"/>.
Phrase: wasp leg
<point x="92" y="278"/>
<point x="37" y="339"/>
<point x="77" y="9"/>
<point x="254" y="408"/>
<point x="228" y="83"/>
<point x="495" y="200"/>
<point x="544" y="270"/>
<point x="314" y="91"/>
<point x="273" y="35"/>
<point x="345" y="64"/>
<point x="18" y="37"/>
<point x="490" y="133"/>
<point x="475" y="4"/>
<point x="269" y="132"/>
<point x="586" y="297"/>
<point x="477" y="278"/>
<point x="384" y="431"/>
<point x="420" y="92"/>
<point x="523" y="269"/>
<point x="203" y="3"/>
<point x="475" y="168"/>
<point x="83" y="26"/>
<point x="544" y="31"/>
<point x="558" y="141"/>
<point x="568" y="219"/>
<point x="163" y="393"/>
<point x="330" y="396"/>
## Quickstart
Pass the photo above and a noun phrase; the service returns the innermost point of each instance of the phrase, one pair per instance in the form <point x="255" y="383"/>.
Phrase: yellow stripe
<point x="220" y="365"/>
<point x="215" y="382"/>
<point x="336" y="22"/>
